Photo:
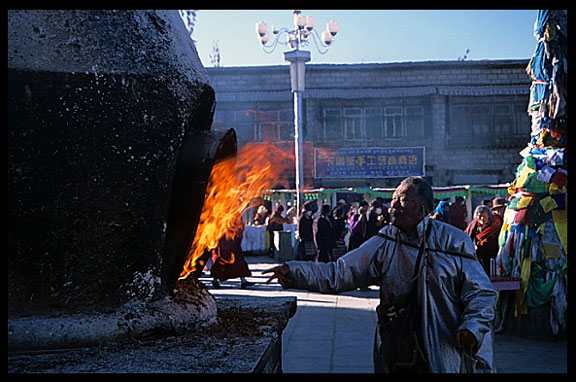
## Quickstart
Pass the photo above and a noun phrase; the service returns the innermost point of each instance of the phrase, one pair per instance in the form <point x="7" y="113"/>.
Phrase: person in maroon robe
<point x="484" y="231"/>
<point x="228" y="259"/>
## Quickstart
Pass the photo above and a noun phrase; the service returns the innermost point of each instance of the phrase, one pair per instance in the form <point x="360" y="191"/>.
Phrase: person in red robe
<point x="228" y="259"/>
<point x="484" y="231"/>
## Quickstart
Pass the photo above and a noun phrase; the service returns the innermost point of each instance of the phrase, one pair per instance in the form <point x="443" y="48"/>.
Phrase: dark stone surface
<point x="106" y="110"/>
<point x="245" y="338"/>
<point x="188" y="309"/>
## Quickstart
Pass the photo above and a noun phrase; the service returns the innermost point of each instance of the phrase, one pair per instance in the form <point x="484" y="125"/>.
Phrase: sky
<point x="370" y="36"/>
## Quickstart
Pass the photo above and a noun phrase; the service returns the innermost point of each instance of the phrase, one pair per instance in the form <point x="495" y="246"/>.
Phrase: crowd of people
<point x="324" y="234"/>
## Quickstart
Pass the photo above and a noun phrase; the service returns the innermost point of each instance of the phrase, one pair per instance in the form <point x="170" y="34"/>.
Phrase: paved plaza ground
<point x="334" y="333"/>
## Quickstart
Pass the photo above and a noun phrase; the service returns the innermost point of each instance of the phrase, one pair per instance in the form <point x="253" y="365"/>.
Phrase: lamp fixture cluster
<point x="301" y="35"/>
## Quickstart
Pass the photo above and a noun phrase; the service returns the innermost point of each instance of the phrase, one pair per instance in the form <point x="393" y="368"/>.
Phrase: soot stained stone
<point x="100" y="105"/>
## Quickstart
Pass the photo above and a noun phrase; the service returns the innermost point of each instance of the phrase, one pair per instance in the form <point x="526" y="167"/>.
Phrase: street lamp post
<point x="303" y="33"/>
<point x="298" y="59"/>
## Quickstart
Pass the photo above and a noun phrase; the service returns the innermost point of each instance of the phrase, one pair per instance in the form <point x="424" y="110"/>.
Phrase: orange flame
<point x="233" y="183"/>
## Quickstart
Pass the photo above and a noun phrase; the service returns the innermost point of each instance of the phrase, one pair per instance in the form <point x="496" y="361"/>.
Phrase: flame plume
<point x="233" y="182"/>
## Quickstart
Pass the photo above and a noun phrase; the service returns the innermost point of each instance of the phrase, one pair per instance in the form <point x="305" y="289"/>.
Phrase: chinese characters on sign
<point x="376" y="162"/>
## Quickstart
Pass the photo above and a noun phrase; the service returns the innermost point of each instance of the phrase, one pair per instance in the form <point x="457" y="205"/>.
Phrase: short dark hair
<point x="423" y="190"/>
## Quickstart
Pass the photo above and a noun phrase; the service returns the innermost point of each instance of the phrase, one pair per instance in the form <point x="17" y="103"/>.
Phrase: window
<point x="487" y="121"/>
<point x="502" y="120"/>
<point x="266" y="124"/>
<point x="267" y="131"/>
<point x="353" y="124"/>
<point x="374" y="123"/>
<point x="286" y="124"/>
<point x="370" y="123"/>
<point x="225" y="117"/>
<point x="414" y="121"/>
<point x="480" y="120"/>
<point x="393" y="122"/>
<point x="244" y="131"/>
<point x="286" y="131"/>
<point x="244" y="125"/>
<point x="332" y="124"/>
<point x="460" y="120"/>
<point x="260" y="125"/>
<point x="245" y="116"/>
<point x="522" y="120"/>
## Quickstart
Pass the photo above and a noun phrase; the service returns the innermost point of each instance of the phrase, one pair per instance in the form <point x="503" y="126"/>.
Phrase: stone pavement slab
<point x="335" y="333"/>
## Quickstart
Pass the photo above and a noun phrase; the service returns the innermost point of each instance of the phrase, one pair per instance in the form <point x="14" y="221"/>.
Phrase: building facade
<point x="469" y="116"/>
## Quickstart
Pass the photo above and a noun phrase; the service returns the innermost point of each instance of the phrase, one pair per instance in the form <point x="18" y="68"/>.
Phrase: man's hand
<point x="280" y="272"/>
<point x="466" y="341"/>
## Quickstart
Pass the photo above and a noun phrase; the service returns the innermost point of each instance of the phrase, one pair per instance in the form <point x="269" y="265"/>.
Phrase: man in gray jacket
<point x="436" y="302"/>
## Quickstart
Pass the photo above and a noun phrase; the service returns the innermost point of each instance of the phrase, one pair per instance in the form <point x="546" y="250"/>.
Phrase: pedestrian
<point x="228" y="259"/>
<point x="352" y="210"/>
<point x="358" y="226"/>
<point x="307" y="250"/>
<point x="436" y="303"/>
<point x="291" y="215"/>
<point x="484" y="231"/>
<point x="324" y="234"/>
<point x="344" y="205"/>
<point x="261" y="215"/>
<point x="498" y="208"/>
<point x="340" y="231"/>
<point x="375" y="219"/>
<point x="275" y="222"/>
<point x="441" y="212"/>
<point x="458" y="216"/>
<point x="384" y="209"/>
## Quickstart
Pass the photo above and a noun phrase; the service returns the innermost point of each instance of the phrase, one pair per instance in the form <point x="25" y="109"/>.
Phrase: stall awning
<point x="440" y="193"/>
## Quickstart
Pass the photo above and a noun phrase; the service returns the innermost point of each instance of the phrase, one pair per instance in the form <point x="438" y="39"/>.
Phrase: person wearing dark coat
<point x="306" y="247"/>
<point x="324" y="235"/>
<point x="340" y="230"/>
<point x="458" y="214"/>
<point x="375" y="219"/>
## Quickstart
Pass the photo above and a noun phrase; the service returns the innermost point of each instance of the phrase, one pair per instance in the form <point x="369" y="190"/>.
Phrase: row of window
<point x="483" y="120"/>
<point x="373" y="123"/>
<point x="257" y="125"/>
<point x="469" y="121"/>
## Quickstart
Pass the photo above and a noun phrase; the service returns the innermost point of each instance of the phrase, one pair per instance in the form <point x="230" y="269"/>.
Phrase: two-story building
<point x="470" y="117"/>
